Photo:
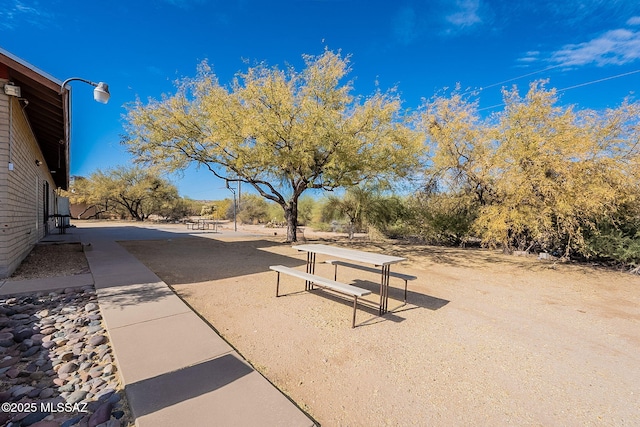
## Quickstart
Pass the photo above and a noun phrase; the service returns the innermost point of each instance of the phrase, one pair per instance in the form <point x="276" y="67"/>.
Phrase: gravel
<point x="56" y="364"/>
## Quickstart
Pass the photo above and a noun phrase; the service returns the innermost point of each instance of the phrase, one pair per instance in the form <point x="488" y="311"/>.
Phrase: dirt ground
<point x="486" y="339"/>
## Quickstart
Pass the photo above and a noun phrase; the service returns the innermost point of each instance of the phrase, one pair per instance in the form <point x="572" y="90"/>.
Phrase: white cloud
<point x="531" y="56"/>
<point x="615" y="47"/>
<point x="466" y="14"/>
<point x="634" y="20"/>
<point x="18" y="12"/>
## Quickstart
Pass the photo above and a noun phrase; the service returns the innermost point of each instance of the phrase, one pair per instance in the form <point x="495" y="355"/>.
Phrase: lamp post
<point x="100" y="93"/>
<point x="235" y="220"/>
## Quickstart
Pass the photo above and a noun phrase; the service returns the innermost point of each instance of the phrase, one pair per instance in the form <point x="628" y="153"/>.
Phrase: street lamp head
<point x="101" y="93"/>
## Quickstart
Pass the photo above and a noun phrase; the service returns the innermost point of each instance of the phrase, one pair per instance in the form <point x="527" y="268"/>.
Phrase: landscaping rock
<point x="49" y="348"/>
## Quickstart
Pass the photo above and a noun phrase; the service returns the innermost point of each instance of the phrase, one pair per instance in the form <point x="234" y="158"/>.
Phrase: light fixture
<point x="100" y="93"/>
<point x="38" y="162"/>
<point x="12" y="90"/>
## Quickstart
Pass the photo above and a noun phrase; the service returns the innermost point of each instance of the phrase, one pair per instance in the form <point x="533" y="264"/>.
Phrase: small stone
<point x="101" y="415"/>
<point x="48" y="344"/>
<point x="34" y="393"/>
<point x="68" y="367"/>
<point x="33" y="418"/>
<point x="22" y="335"/>
<point x="12" y="373"/>
<point x="76" y="396"/>
<point x="36" y="375"/>
<point x="9" y="361"/>
<point x="93" y="329"/>
<point x="31" y="351"/>
<point x="97" y="340"/>
<point x="77" y="335"/>
<point x="37" y="338"/>
<point x="21" y="316"/>
<point x="95" y="372"/>
<point x="48" y="330"/>
<point x="90" y="307"/>
<point x="65" y="389"/>
<point x="66" y="357"/>
<point x="6" y="339"/>
<point x="46" y="393"/>
<point x="22" y="391"/>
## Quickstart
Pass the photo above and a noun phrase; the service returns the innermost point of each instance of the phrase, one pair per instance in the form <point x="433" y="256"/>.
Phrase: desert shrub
<point x="440" y="218"/>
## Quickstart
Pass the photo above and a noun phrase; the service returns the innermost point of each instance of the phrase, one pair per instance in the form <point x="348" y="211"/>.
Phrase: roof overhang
<point x="47" y="111"/>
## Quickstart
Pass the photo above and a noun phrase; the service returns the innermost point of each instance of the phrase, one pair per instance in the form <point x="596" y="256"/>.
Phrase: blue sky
<point x="591" y="48"/>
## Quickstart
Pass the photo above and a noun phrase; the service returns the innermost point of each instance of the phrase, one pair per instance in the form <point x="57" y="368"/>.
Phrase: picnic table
<point x="202" y="224"/>
<point x="377" y="260"/>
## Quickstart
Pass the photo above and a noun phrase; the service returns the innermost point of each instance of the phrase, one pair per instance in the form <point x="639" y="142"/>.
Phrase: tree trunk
<point x="352" y="228"/>
<point x="291" y="216"/>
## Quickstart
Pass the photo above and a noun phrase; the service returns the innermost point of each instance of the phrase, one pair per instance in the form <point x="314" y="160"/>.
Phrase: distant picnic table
<point x="202" y="224"/>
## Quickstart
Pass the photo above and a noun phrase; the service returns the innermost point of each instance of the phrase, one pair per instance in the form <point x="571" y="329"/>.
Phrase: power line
<point x="599" y="80"/>
<point x="514" y="78"/>
<point x="521" y="77"/>
<point x="574" y="86"/>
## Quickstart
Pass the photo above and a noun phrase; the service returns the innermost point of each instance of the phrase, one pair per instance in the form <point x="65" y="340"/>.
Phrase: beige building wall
<point x="27" y="193"/>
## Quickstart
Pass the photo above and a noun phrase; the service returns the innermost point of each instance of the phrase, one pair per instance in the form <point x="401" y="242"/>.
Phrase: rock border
<point x="56" y="364"/>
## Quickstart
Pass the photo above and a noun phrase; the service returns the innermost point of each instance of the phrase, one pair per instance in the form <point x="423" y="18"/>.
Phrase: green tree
<point x="132" y="191"/>
<point x="253" y="209"/>
<point x="536" y="175"/>
<point x="557" y="171"/>
<point x="281" y="131"/>
<point x="363" y="207"/>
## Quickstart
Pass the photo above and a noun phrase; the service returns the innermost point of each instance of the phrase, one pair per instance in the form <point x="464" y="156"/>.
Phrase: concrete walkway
<point x="176" y="369"/>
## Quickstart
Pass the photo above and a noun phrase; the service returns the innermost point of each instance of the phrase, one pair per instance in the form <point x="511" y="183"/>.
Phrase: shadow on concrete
<point x="136" y="294"/>
<point x="153" y="394"/>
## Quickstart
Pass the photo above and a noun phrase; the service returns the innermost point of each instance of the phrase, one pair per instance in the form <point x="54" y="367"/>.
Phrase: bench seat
<point x="322" y="282"/>
<point x="336" y="263"/>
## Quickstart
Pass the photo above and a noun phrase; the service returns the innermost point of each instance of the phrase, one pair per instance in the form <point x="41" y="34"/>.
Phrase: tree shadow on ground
<point x="192" y="259"/>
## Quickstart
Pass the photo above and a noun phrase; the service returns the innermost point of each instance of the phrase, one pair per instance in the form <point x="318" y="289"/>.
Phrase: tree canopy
<point x="128" y="191"/>
<point x="536" y="174"/>
<point x="281" y="131"/>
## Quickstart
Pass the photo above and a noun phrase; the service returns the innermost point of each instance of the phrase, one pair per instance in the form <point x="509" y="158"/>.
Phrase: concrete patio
<point x="175" y="368"/>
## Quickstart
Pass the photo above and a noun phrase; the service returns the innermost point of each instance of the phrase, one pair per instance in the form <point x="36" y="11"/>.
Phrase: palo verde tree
<point x="281" y="131"/>
<point x="363" y="206"/>
<point x="536" y="175"/>
<point x="134" y="191"/>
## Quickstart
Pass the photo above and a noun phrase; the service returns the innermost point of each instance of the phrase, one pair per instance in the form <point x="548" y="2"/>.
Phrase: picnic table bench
<point x="342" y="288"/>
<point x="405" y="277"/>
<point x="381" y="261"/>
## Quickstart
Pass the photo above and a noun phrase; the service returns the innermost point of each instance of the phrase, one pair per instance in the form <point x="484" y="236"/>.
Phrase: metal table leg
<point x="384" y="289"/>
<point x="311" y="267"/>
